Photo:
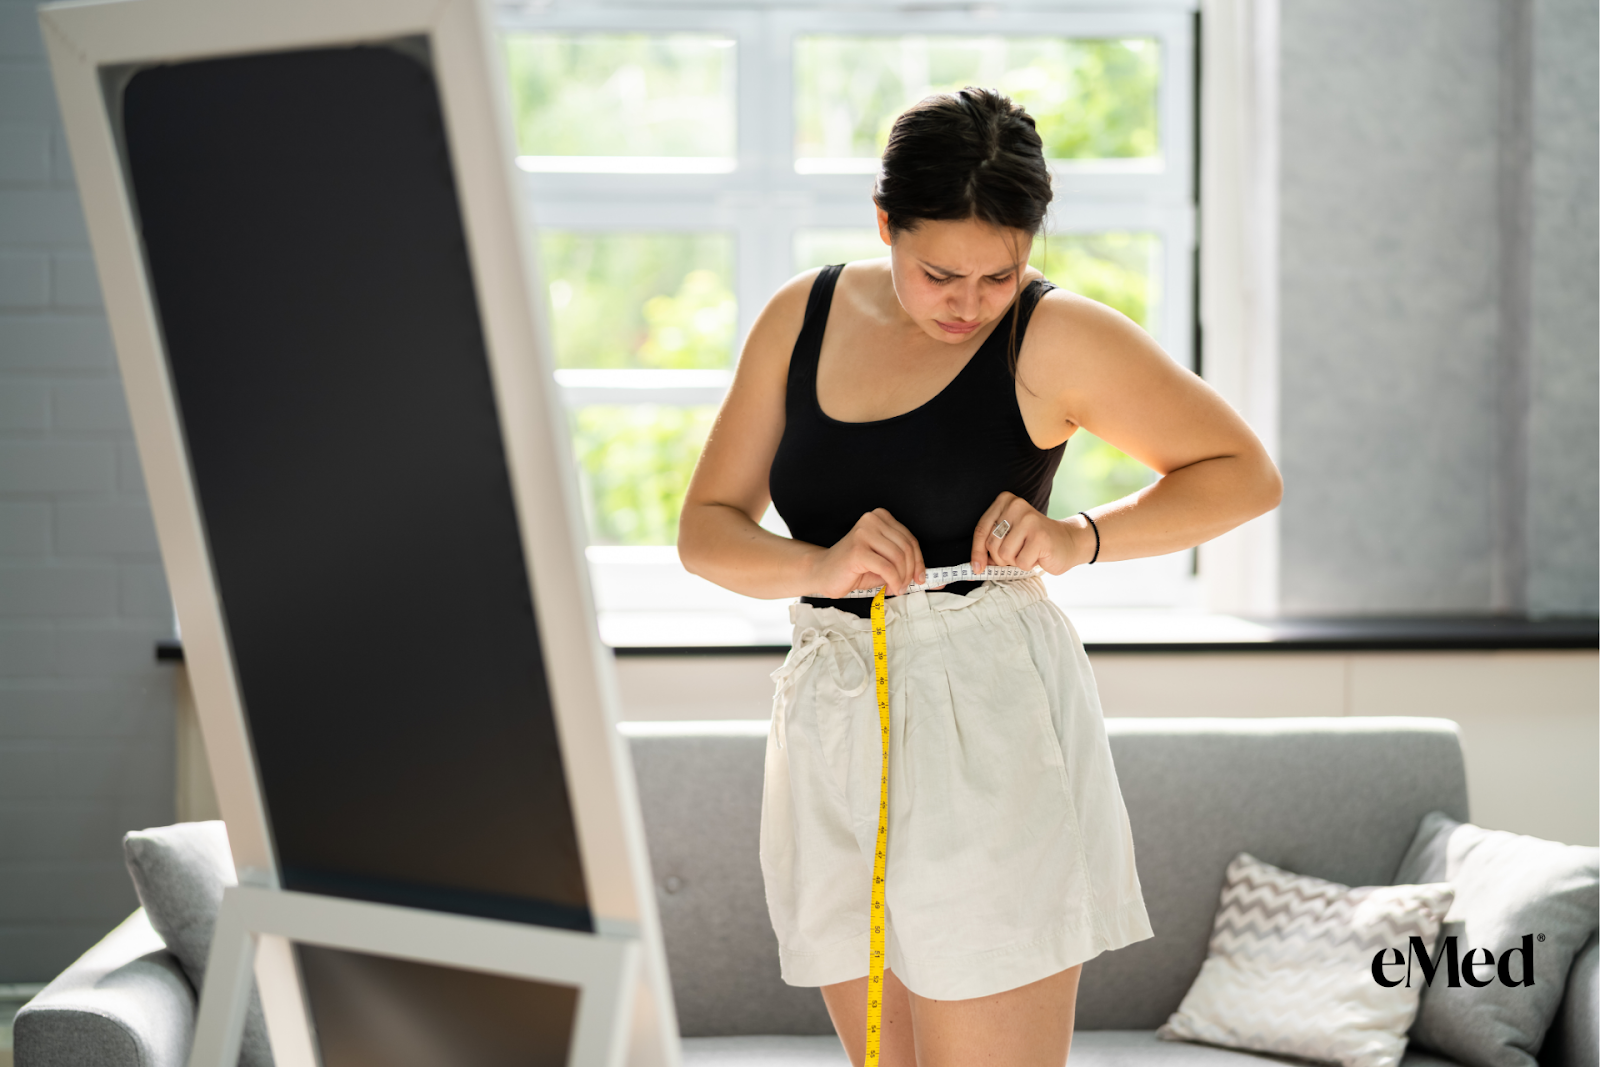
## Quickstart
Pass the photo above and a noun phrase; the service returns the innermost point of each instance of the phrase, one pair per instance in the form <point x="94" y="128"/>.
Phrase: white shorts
<point x="1010" y="855"/>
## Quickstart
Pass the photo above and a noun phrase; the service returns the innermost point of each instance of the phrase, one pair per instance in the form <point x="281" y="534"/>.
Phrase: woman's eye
<point x="935" y="280"/>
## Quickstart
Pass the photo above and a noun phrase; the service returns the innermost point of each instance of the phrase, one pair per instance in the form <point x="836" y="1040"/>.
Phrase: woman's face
<point x="954" y="278"/>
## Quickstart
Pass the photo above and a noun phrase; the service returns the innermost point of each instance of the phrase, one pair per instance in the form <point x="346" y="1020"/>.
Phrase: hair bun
<point x="968" y="154"/>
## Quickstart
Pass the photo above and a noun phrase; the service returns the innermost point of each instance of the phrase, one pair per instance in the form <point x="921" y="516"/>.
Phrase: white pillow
<point x="1290" y="967"/>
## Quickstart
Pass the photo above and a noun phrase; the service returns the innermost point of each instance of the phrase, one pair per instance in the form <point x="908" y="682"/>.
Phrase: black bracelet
<point x="1096" y="530"/>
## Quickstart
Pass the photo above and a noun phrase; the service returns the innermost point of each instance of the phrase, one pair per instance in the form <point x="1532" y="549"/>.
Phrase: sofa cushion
<point x="1511" y="891"/>
<point x="124" y="1003"/>
<point x="1574" y="1037"/>
<point x="1292" y="967"/>
<point x="179" y="872"/>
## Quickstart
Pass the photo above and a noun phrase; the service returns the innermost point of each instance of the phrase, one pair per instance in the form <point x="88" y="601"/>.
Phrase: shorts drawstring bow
<point x="808" y="643"/>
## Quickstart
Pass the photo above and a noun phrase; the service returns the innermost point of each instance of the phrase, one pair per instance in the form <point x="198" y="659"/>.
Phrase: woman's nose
<point x="964" y="303"/>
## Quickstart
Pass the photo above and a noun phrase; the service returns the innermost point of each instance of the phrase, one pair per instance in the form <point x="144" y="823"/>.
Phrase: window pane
<point x="634" y="462"/>
<point x="818" y="248"/>
<point x="599" y="95"/>
<point x="1091" y="98"/>
<point x="1092" y="472"/>
<point x="633" y="300"/>
<point x="1119" y="269"/>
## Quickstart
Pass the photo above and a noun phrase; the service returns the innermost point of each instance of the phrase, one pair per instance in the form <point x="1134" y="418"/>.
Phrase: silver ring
<point x="1000" y="530"/>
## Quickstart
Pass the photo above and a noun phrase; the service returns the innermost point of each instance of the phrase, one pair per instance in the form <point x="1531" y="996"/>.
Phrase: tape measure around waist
<point x="962" y="572"/>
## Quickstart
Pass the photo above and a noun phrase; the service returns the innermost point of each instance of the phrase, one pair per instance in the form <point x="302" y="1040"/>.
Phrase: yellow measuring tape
<point x="880" y="858"/>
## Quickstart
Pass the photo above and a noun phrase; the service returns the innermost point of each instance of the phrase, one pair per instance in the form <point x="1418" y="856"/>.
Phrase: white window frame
<point x="763" y="202"/>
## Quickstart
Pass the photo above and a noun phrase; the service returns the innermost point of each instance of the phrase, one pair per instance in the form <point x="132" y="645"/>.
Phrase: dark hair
<point x="971" y="154"/>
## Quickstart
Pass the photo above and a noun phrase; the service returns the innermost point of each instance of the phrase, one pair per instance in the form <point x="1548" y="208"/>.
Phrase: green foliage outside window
<point x="646" y="302"/>
<point x="1091" y="99"/>
<point x="635" y="461"/>
<point x="622" y="94"/>
<point x="631" y="300"/>
<point x="1119" y="269"/>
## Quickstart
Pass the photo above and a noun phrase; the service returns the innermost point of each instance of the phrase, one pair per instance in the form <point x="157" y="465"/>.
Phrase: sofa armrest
<point x="124" y="1003"/>
<point x="1573" y="1040"/>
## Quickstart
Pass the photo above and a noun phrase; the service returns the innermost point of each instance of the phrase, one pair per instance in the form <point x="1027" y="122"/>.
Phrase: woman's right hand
<point x="878" y="550"/>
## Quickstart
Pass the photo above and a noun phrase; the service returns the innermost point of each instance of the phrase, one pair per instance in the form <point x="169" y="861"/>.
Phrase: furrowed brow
<point x="958" y="274"/>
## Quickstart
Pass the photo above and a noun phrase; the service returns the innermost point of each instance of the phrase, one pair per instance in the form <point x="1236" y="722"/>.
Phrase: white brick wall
<point x="86" y="714"/>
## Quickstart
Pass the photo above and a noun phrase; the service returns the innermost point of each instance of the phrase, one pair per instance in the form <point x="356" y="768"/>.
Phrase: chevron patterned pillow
<point x="1292" y="962"/>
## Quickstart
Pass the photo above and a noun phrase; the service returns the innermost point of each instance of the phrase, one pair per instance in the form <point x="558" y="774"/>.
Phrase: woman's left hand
<point x="1033" y="539"/>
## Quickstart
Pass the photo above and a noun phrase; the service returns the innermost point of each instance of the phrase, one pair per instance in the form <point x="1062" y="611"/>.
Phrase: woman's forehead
<point x="966" y="246"/>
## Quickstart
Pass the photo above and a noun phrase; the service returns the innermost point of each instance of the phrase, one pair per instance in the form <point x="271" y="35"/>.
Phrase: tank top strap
<point x="808" y="346"/>
<point x="1032" y="293"/>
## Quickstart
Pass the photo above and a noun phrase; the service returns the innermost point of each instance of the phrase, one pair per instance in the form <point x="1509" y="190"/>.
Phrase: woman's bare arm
<point x="1098" y="370"/>
<point x="719" y="536"/>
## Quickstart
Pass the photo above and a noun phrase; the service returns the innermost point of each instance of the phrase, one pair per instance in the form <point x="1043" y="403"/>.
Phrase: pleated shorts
<point x="1010" y="856"/>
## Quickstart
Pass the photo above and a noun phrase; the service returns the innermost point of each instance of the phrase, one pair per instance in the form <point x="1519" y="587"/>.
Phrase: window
<point x="681" y="164"/>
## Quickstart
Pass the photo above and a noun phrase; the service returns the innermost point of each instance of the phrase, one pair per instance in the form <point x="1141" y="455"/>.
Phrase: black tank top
<point x="936" y="468"/>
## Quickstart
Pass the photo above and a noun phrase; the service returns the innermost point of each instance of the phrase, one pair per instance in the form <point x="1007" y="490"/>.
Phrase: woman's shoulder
<point x="785" y="309"/>
<point x="783" y="316"/>
<point x="777" y="328"/>
<point x="1073" y="339"/>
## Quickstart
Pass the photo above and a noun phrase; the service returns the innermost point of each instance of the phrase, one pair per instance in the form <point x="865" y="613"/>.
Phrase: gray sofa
<point x="1336" y="798"/>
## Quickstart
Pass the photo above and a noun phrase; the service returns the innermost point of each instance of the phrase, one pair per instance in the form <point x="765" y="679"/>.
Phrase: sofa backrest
<point x="1339" y="798"/>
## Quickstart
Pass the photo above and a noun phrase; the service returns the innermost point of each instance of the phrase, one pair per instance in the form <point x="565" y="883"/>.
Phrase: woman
<point x="907" y="413"/>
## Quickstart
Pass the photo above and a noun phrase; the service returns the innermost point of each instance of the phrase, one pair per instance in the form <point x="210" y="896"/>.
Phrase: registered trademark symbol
<point x="1541" y="937"/>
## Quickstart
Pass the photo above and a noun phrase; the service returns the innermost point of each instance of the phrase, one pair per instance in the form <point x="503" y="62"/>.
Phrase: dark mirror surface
<point x="305" y="244"/>
<point x="374" y="1011"/>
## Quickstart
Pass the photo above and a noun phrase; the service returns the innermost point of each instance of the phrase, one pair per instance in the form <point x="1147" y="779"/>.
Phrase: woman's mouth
<point x="957" y="327"/>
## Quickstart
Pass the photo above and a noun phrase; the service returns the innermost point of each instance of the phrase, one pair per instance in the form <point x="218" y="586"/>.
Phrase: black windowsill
<point x="1370" y="634"/>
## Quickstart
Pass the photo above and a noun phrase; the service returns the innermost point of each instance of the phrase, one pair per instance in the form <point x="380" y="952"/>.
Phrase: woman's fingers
<point x="1026" y="537"/>
<point x="982" y="535"/>
<point x="899" y="550"/>
<point x="912" y="569"/>
<point x="881" y="572"/>
<point x="1010" y="519"/>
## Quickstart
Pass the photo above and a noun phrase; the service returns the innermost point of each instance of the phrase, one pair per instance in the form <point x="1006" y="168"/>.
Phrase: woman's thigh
<point x="847" y="1006"/>
<point x="1030" y="1026"/>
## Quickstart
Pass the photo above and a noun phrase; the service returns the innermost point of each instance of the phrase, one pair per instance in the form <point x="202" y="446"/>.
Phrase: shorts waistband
<point x="862" y="606"/>
<point x="987" y="597"/>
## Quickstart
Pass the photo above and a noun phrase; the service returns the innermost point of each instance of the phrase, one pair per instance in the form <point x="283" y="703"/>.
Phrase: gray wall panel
<point x="1389" y="289"/>
<point x="86" y="714"/>
<point x="1563" y="515"/>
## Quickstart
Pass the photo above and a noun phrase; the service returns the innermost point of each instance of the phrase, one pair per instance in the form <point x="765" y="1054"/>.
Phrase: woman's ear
<point x="883" y="227"/>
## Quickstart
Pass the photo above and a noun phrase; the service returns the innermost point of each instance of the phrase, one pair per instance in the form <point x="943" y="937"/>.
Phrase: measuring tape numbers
<point x="941" y="576"/>
<point x="936" y="576"/>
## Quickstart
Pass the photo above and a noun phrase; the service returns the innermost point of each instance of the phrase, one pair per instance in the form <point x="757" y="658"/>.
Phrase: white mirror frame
<point x="83" y="37"/>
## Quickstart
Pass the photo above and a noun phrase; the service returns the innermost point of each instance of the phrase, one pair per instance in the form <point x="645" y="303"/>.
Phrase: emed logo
<point x="1456" y="969"/>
